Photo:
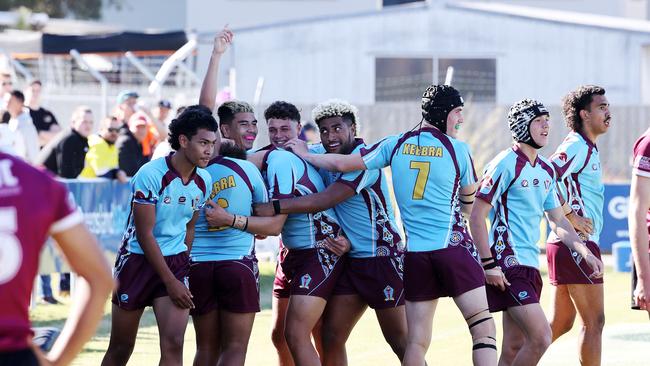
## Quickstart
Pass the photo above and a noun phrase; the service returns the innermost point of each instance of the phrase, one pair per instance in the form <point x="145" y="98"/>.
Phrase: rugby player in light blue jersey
<point x="153" y="264"/>
<point x="434" y="183"/>
<point x="373" y="273"/>
<point x="518" y="186"/>
<point x="577" y="167"/>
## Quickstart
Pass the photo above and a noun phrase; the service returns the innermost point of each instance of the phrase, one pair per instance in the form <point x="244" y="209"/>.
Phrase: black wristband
<point x="490" y="265"/>
<point x="276" y="207"/>
<point x="485" y="260"/>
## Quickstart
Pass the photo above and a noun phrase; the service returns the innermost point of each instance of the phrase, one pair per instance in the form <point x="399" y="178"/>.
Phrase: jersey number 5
<point x="422" y="178"/>
<point x="11" y="253"/>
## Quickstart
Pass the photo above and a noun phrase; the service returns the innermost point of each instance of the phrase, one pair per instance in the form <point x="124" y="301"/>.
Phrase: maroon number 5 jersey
<point x="32" y="206"/>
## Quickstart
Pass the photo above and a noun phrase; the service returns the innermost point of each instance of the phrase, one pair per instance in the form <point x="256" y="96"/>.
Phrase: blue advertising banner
<point x="614" y="216"/>
<point x="105" y="205"/>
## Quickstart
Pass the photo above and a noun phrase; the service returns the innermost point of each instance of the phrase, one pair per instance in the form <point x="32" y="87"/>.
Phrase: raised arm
<point x="331" y="162"/>
<point x="82" y="251"/>
<point x="637" y="224"/>
<point x="209" y="86"/>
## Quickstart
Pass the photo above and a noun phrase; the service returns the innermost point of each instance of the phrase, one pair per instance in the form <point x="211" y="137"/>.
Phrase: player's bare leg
<point x="393" y="326"/>
<point x="172" y="322"/>
<point x="235" y="329"/>
<point x="589" y="300"/>
<point x="303" y="313"/>
<point x="341" y="315"/>
<point x="419" y="318"/>
<point x="474" y="307"/>
<point x="512" y="340"/>
<point x="278" y="315"/>
<point x="124" y="330"/>
<point x="206" y="328"/>
<point x="563" y="312"/>
<point x="531" y="321"/>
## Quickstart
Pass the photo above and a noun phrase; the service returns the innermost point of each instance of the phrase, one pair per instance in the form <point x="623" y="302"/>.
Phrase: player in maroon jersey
<point x="33" y="206"/>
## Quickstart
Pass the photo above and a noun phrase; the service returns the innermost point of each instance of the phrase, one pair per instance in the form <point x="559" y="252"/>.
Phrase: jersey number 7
<point x="422" y="178"/>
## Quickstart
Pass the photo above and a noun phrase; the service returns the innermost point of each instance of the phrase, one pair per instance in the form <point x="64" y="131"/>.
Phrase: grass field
<point x="626" y="337"/>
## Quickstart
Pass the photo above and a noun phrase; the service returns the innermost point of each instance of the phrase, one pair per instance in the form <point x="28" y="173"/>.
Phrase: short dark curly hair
<point x="189" y="122"/>
<point x="576" y="101"/>
<point x="282" y="110"/>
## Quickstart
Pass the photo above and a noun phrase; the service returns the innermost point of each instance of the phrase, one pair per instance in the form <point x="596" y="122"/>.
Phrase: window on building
<point x="398" y="79"/>
<point x="475" y="78"/>
<point x="400" y="2"/>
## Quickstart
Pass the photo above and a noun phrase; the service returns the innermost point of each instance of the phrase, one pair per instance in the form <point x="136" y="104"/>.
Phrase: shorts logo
<point x="305" y="280"/>
<point x="388" y="294"/>
<point x="124" y="298"/>
<point x="510" y="261"/>
<point x="186" y="282"/>
<point x="523" y="295"/>
<point x="455" y="238"/>
<point x="524" y="183"/>
<point x="182" y="200"/>
<point x="167" y="200"/>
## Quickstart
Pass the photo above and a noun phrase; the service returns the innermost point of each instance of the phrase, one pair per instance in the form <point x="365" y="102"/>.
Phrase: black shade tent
<point x="119" y="42"/>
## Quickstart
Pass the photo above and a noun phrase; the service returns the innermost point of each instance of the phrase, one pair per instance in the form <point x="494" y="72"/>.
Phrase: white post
<point x="139" y="65"/>
<point x="174" y="60"/>
<point x="258" y="91"/>
<point x="450" y="75"/>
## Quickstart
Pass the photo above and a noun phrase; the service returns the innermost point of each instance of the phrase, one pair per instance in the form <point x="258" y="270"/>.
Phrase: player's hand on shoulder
<point x="180" y="294"/>
<point x="338" y="245"/>
<point x="297" y="146"/>
<point x="263" y="209"/>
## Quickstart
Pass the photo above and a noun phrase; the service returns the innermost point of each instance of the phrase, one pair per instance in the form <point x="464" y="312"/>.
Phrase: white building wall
<point x="309" y="62"/>
<point x="140" y="15"/>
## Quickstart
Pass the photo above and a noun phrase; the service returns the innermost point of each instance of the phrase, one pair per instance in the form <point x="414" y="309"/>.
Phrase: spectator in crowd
<point x="309" y="133"/>
<point x="101" y="159"/>
<point x="65" y="155"/>
<point x="129" y="144"/>
<point x="5" y="91"/>
<point x="126" y="106"/>
<point x="26" y="142"/>
<point x="44" y="121"/>
<point x="159" y="117"/>
<point x="164" y="148"/>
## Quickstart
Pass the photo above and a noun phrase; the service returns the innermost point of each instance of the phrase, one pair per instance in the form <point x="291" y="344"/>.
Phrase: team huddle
<point x="189" y="244"/>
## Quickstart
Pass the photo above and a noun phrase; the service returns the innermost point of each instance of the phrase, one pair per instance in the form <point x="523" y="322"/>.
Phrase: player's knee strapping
<point x="482" y="332"/>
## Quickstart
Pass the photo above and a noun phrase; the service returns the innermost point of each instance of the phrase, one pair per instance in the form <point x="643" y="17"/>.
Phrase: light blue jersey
<point x="237" y="185"/>
<point x="577" y="167"/>
<point x="519" y="194"/>
<point x="429" y="168"/>
<point x="288" y="176"/>
<point x="367" y="218"/>
<point x="158" y="183"/>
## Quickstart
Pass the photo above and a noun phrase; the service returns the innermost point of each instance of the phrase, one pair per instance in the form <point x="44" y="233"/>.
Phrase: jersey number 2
<point x="422" y="178"/>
